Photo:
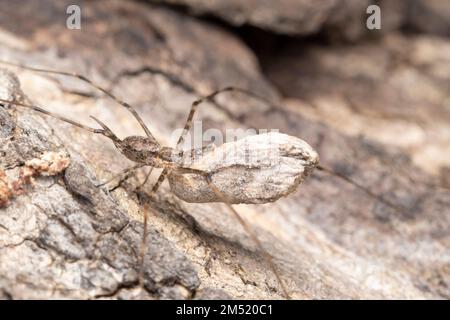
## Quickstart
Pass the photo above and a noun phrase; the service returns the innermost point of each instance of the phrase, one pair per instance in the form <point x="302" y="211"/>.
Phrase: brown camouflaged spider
<point x="147" y="151"/>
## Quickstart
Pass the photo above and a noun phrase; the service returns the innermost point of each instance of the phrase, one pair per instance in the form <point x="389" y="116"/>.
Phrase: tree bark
<point x="63" y="237"/>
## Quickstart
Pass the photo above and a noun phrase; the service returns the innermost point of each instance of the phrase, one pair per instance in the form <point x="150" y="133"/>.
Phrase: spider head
<point x="140" y="150"/>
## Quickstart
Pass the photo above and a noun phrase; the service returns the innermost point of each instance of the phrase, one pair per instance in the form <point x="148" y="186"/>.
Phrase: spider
<point x="146" y="151"/>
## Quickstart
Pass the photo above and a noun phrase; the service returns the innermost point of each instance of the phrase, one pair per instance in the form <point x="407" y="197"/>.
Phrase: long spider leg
<point x="107" y="131"/>
<point x="251" y="233"/>
<point x="363" y="188"/>
<point x="188" y="124"/>
<point x="146" y="178"/>
<point x="121" y="173"/>
<point x="143" y="247"/>
<point x="54" y="115"/>
<point x="162" y="176"/>
<point x="93" y="84"/>
<point x="266" y="101"/>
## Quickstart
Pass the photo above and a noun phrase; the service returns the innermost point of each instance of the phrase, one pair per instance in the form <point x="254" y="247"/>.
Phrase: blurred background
<point x="374" y="103"/>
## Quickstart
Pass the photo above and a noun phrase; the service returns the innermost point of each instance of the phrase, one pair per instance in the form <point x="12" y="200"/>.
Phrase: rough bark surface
<point x="66" y="238"/>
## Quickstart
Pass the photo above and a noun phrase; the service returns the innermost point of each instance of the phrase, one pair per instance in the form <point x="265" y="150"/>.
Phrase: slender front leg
<point x="125" y="171"/>
<point x="131" y="109"/>
<point x="146" y="178"/>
